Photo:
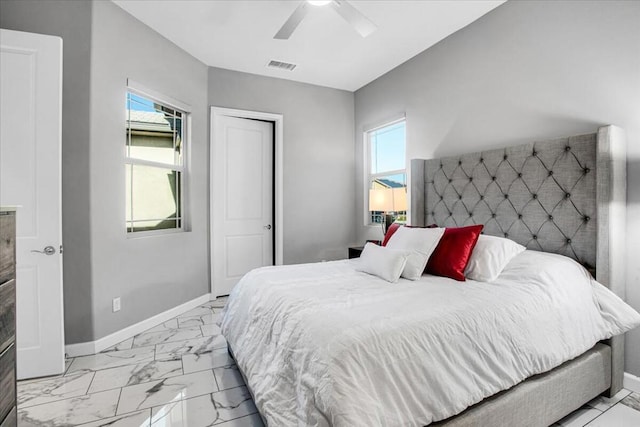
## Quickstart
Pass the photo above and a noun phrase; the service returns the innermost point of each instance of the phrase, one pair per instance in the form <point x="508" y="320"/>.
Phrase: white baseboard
<point x="93" y="347"/>
<point x="631" y="382"/>
<point x="80" y="349"/>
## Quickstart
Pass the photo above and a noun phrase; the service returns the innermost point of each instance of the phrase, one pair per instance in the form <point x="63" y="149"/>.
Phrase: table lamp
<point x="387" y="200"/>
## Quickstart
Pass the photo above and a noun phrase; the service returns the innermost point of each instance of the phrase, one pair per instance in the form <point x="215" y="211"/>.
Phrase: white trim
<point x="183" y="191"/>
<point x="366" y="151"/>
<point x="93" y="347"/>
<point x="142" y="162"/>
<point x="384" y="123"/>
<point x="631" y="382"/>
<point x="278" y="122"/>
<point x="141" y="89"/>
<point x="160" y="232"/>
<point x="366" y="215"/>
<point x="80" y="349"/>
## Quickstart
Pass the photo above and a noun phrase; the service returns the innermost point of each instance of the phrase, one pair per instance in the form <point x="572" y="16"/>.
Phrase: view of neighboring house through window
<point x="387" y="168"/>
<point x="155" y="149"/>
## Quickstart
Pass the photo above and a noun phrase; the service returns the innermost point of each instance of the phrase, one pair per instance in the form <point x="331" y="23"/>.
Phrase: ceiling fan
<point x="358" y="21"/>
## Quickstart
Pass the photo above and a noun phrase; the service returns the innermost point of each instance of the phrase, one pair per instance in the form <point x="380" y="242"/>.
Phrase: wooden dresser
<point x="8" y="410"/>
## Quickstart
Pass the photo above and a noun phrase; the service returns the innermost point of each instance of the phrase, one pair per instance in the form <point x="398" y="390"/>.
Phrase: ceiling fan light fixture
<point x="356" y="19"/>
<point x="319" y="2"/>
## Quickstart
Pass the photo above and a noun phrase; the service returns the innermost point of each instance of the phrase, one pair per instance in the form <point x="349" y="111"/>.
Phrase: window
<point x="387" y="171"/>
<point x="154" y="160"/>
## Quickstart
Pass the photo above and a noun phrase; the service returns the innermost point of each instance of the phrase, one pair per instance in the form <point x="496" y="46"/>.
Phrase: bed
<point x="573" y="205"/>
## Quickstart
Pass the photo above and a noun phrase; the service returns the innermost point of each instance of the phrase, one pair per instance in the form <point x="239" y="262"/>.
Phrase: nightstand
<point x="355" y="251"/>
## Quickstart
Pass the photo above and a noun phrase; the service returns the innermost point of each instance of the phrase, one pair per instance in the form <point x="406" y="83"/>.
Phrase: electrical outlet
<point x="116" y="304"/>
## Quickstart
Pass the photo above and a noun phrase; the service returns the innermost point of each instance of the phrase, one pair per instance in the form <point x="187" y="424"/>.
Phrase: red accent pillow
<point x="390" y="231"/>
<point x="451" y="256"/>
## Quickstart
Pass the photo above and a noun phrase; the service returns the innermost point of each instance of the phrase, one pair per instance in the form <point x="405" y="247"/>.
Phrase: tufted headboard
<point x="541" y="194"/>
<point x="565" y="195"/>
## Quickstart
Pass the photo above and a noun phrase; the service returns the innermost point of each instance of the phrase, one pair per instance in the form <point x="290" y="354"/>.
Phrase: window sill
<point x="152" y="233"/>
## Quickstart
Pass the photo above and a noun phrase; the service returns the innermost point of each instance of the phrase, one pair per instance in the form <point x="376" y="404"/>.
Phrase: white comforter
<point x="322" y="344"/>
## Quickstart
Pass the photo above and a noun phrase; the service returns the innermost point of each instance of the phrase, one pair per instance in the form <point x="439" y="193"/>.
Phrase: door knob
<point x="268" y="226"/>
<point x="49" y="250"/>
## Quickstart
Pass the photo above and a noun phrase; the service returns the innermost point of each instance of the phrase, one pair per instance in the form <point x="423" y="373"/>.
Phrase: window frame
<point x="368" y="176"/>
<point x="182" y="189"/>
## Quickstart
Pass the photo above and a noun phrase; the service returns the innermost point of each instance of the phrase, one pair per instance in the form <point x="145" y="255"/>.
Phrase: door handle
<point x="49" y="250"/>
<point x="268" y="226"/>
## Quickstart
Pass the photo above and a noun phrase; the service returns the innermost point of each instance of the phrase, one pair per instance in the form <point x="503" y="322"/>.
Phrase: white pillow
<point x="421" y="242"/>
<point x="490" y="256"/>
<point x="382" y="262"/>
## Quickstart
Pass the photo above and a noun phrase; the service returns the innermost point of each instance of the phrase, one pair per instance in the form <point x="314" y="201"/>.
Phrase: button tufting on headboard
<point x="588" y="226"/>
<point x="541" y="194"/>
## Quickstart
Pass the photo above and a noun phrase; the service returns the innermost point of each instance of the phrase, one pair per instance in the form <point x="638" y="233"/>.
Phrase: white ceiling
<point x="238" y="35"/>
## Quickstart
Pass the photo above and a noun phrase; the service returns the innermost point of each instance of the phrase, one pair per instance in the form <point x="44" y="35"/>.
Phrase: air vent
<point x="281" y="65"/>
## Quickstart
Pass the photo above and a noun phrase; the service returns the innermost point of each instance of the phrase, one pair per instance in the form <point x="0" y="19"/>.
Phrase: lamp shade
<point x="400" y="199"/>
<point x="381" y="199"/>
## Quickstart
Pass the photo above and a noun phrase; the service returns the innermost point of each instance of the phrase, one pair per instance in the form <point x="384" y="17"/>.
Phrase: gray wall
<point x="150" y="274"/>
<point x="524" y="71"/>
<point x="103" y="46"/>
<point x="70" y="20"/>
<point x="318" y="158"/>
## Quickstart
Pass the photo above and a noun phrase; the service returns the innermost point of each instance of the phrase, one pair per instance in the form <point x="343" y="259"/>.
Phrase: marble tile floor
<point x="179" y="373"/>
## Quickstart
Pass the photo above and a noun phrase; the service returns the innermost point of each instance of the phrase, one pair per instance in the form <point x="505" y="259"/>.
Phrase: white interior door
<point x="242" y="199"/>
<point x="30" y="136"/>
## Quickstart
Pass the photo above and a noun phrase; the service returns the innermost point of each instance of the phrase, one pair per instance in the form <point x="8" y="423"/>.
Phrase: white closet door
<point x="242" y="199"/>
<point x="30" y="137"/>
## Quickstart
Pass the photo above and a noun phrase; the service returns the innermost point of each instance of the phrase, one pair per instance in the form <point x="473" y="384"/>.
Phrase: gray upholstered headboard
<point x="566" y="195"/>
<point x="542" y="194"/>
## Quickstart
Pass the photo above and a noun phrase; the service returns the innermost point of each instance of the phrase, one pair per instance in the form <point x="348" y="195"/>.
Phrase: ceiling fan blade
<point x="363" y="25"/>
<point x="292" y="23"/>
